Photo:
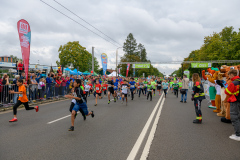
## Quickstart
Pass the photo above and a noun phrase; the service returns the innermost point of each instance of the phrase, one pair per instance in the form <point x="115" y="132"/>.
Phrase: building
<point x="6" y="59"/>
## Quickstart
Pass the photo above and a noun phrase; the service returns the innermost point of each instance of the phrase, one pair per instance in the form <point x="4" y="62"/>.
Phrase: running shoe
<point x="84" y="117"/>
<point x="234" y="137"/>
<point x="154" y="94"/>
<point x="108" y="102"/>
<point x="115" y="99"/>
<point x="37" y="109"/>
<point x="92" y="114"/>
<point x="71" y="128"/>
<point x="95" y="105"/>
<point x="13" y="120"/>
<point x="120" y="98"/>
<point x="122" y="102"/>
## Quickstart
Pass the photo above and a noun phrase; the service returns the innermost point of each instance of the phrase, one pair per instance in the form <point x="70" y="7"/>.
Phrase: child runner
<point x="105" y="86"/>
<point x="98" y="90"/>
<point x="140" y="87"/>
<point x="165" y="87"/>
<point x="175" y="88"/>
<point x="115" y="82"/>
<point x="132" y="87"/>
<point x="159" y="85"/>
<point x="124" y="89"/>
<point x="153" y="83"/>
<point x="150" y="90"/>
<point x="21" y="100"/>
<point x="145" y="85"/>
<point x="87" y="88"/>
<point x="91" y="89"/>
<point x="171" y="83"/>
<point x="110" y="89"/>
<point x="80" y="102"/>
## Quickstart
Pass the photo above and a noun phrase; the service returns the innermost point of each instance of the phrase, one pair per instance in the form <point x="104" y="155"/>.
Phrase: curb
<point x="2" y="109"/>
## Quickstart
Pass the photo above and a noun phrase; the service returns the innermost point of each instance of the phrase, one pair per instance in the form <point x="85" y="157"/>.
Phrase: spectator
<point x="15" y="88"/>
<point x="184" y="90"/>
<point x="33" y="86"/>
<point x="63" y="85"/>
<point x="5" y="83"/>
<point x="41" y="86"/>
<point x="49" y="83"/>
<point x="20" y="67"/>
<point x="57" y="86"/>
<point x="23" y="76"/>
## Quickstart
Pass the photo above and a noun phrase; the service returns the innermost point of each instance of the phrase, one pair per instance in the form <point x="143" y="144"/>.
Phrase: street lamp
<point x="117" y="59"/>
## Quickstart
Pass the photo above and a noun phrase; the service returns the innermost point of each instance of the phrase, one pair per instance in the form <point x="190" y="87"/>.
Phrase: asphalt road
<point x="113" y="132"/>
<point x="110" y="135"/>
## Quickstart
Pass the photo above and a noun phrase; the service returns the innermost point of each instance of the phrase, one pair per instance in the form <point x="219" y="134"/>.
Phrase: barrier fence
<point x="34" y="93"/>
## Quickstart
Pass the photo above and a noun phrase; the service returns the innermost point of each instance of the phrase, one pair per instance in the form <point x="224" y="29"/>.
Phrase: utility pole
<point x="93" y="60"/>
<point x="117" y="73"/>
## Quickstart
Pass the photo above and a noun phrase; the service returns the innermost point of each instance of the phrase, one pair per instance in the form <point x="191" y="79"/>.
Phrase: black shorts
<point x="99" y="94"/>
<point x="125" y="95"/>
<point x="111" y="90"/>
<point x="153" y="89"/>
<point x="159" y="87"/>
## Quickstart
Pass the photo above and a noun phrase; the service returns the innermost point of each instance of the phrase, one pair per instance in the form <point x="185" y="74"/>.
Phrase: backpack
<point x="237" y="82"/>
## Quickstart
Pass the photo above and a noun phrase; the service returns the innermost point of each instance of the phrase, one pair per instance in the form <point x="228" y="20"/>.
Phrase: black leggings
<point x="149" y="93"/>
<point x="176" y="92"/>
<point x="18" y="104"/>
<point x="140" y="90"/>
<point x="165" y="92"/>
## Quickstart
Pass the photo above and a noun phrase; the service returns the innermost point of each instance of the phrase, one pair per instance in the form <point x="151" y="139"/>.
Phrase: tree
<point x="130" y="46"/>
<point x="15" y="58"/>
<point x="142" y="53"/>
<point x="73" y="54"/>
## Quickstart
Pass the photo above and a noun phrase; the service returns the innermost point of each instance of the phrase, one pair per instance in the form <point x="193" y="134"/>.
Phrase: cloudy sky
<point x="169" y="29"/>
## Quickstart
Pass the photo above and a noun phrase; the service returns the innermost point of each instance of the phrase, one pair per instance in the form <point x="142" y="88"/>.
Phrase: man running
<point x="132" y="87"/>
<point x="110" y="89"/>
<point x="159" y="85"/>
<point x="98" y="90"/>
<point x="21" y="100"/>
<point x="124" y="90"/>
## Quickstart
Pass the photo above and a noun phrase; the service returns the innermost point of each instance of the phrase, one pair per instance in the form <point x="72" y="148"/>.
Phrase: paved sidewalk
<point x="178" y="138"/>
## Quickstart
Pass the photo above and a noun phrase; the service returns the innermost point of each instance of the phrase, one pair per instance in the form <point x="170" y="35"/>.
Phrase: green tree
<point x="73" y="54"/>
<point x="130" y="46"/>
<point x="15" y="58"/>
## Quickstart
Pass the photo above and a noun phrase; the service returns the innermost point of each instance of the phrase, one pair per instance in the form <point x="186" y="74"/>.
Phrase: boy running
<point x="80" y="102"/>
<point x="159" y="85"/>
<point x="175" y="88"/>
<point x="105" y="86"/>
<point x="21" y="100"/>
<point x="132" y="87"/>
<point x="110" y="89"/>
<point x="124" y="90"/>
<point x="98" y="90"/>
<point x="165" y="87"/>
<point x="153" y="83"/>
<point x="150" y="90"/>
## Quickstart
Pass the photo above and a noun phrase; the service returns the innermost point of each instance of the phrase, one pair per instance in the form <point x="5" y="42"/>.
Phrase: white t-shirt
<point x="87" y="88"/>
<point x="125" y="88"/>
<point x="39" y="85"/>
<point x="218" y="88"/>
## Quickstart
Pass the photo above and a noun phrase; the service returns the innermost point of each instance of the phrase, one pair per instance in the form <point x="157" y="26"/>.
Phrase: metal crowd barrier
<point x="34" y="93"/>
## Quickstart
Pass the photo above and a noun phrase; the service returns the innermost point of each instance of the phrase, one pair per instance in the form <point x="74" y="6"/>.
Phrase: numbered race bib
<point x="145" y="84"/>
<point x="124" y="89"/>
<point x="74" y="94"/>
<point x="115" y="87"/>
<point x="104" y="87"/>
<point x="141" y="86"/>
<point x="132" y="86"/>
<point x="159" y="84"/>
<point x="149" y="90"/>
<point x="97" y="88"/>
<point x="109" y="85"/>
<point x="20" y="95"/>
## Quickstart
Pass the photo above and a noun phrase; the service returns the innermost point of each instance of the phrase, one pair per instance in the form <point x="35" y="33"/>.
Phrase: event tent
<point x="86" y="73"/>
<point x="114" y="73"/>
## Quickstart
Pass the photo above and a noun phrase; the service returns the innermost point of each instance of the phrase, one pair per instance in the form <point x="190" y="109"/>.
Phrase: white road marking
<point x="59" y="119"/>
<point x="151" y="134"/>
<point x="140" y="139"/>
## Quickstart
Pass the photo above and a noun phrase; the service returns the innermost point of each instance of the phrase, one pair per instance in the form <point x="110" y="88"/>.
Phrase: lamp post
<point x="116" y="61"/>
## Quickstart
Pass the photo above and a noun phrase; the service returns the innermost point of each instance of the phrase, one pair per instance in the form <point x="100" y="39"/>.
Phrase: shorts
<point x="125" y="94"/>
<point x="154" y="89"/>
<point x="83" y="106"/>
<point x="99" y="94"/>
<point x="111" y="90"/>
<point x="159" y="87"/>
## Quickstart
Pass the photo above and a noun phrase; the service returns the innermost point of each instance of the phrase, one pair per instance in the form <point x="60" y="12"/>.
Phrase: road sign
<point x="141" y="65"/>
<point x="201" y="65"/>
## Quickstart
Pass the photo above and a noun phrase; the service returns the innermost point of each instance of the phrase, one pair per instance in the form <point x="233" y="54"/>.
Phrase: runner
<point x="140" y="87"/>
<point x="115" y="82"/>
<point x="87" y="88"/>
<point x="21" y="100"/>
<point x="150" y="90"/>
<point x="165" y="87"/>
<point x="132" y="87"/>
<point x="98" y="90"/>
<point x="159" y="85"/>
<point x="110" y="89"/>
<point x="145" y="85"/>
<point x="154" y="84"/>
<point x="105" y="86"/>
<point x="175" y="88"/>
<point x="124" y="90"/>
<point x="80" y="103"/>
<point x="171" y="83"/>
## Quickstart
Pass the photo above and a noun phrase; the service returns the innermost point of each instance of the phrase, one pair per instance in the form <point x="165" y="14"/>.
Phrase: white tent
<point x="113" y="74"/>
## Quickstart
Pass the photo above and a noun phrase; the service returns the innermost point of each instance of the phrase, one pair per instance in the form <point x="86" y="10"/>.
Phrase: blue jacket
<point x="48" y="80"/>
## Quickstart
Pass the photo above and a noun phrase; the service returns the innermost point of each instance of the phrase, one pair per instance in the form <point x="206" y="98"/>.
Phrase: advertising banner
<point x="141" y="65"/>
<point x="201" y="65"/>
<point x="24" y="32"/>
<point x="187" y="73"/>
<point x="104" y="63"/>
<point x="128" y="66"/>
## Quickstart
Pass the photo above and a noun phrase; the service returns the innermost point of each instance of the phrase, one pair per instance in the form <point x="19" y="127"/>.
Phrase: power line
<point x="78" y="23"/>
<point x="180" y="62"/>
<point x="85" y="21"/>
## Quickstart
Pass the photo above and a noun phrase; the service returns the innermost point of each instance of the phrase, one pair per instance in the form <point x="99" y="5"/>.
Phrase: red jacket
<point x="233" y="90"/>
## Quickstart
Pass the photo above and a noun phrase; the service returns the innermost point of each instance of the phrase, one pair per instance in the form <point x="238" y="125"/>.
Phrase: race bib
<point x="97" y="88"/>
<point x="104" y="87"/>
<point x="145" y="84"/>
<point x="115" y="87"/>
<point x="141" y="86"/>
<point x="132" y="86"/>
<point x="159" y="84"/>
<point x="74" y="94"/>
<point x="20" y="95"/>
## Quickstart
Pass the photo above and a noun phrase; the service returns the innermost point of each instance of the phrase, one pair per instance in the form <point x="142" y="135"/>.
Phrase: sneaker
<point x="234" y="137"/>
<point x="71" y="128"/>
<point x="114" y="99"/>
<point x="120" y="98"/>
<point x="108" y="102"/>
<point x="13" y="120"/>
<point x="37" y="109"/>
<point x="84" y="117"/>
<point x="92" y="114"/>
<point x="197" y="121"/>
<point x="185" y="101"/>
<point x="122" y="102"/>
<point x="154" y="94"/>
<point x="181" y="101"/>
<point x="95" y="105"/>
